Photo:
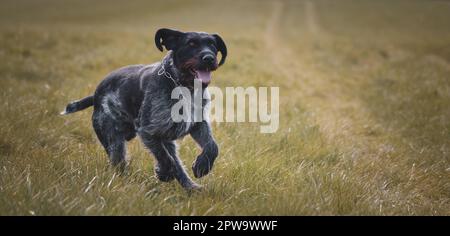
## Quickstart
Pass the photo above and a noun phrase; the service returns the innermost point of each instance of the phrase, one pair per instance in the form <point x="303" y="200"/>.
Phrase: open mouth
<point x="202" y="75"/>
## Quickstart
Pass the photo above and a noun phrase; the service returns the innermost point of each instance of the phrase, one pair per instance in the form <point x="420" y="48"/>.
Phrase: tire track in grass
<point x="331" y="105"/>
<point x="311" y="19"/>
<point x="345" y="121"/>
<point x="310" y="82"/>
<point x="272" y="43"/>
<point x="307" y="82"/>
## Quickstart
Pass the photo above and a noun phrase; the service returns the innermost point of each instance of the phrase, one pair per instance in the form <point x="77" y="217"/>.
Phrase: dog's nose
<point x="208" y="58"/>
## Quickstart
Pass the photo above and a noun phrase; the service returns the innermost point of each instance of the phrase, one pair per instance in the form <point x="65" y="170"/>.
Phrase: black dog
<point x="137" y="100"/>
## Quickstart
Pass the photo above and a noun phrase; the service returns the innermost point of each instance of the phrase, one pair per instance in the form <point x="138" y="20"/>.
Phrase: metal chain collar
<point x="162" y="71"/>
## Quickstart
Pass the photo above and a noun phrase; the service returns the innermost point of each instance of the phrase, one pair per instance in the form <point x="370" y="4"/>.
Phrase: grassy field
<point x="364" y="108"/>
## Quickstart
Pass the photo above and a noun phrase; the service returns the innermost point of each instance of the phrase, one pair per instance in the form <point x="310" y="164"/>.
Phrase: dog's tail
<point x="78" y="105"/>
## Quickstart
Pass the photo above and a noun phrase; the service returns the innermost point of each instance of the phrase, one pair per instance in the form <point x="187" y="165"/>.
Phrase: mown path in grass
<point x="398" y="173"/>
<point x="283" y="58"/>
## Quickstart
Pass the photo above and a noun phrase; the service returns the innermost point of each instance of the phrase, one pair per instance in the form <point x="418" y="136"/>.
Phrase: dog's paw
<point x="202" y="166"/>
<point x="121" y="167"/>
<point x="193" y="187"/>
<point x="164" y="175"/>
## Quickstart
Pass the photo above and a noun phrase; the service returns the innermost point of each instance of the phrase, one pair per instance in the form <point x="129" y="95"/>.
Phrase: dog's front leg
<point x="202" y="134"/>
<point x="166" y="155"/>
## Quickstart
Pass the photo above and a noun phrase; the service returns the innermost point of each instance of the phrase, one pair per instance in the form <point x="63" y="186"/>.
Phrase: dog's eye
<point x="212" y="44"/>
<point x="192" y="44"/>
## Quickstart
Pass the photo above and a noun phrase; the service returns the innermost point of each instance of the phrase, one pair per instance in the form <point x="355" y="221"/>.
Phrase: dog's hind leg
<point x="112" y="137"/>
<point x="169" y="166"/>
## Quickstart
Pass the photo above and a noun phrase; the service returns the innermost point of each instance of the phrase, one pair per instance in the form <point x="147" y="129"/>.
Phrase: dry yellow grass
<point x="364" y="108"/>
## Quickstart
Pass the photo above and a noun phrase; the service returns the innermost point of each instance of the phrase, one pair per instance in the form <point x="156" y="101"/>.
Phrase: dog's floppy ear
<point x="167" y="37"/>
<point x="221" y="47"/>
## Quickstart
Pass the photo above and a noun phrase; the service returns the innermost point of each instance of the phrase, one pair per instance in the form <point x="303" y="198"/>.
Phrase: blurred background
<point x="364" y="107"/>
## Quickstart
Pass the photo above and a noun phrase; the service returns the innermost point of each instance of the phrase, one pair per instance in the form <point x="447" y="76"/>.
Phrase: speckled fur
<point x="136" y="100"/>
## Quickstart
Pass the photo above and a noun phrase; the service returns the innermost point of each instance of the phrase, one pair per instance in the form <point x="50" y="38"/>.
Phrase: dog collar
<point x="162" y="71"/>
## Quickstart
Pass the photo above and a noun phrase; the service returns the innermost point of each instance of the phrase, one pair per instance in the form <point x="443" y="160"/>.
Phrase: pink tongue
<point x="204" y="76"/>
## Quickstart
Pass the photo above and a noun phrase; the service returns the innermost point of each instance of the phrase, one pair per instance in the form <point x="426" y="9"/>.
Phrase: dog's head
<point x="194" y="53"/>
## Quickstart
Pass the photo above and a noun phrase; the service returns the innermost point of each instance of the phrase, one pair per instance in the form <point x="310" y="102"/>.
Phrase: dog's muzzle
<point x="208" y="64"/>
<point x="209" y="59"/>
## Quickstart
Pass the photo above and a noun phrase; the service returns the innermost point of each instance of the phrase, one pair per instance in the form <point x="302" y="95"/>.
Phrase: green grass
<point x="364" y="108"/>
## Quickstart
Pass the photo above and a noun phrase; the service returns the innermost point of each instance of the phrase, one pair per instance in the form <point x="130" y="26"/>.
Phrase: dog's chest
<point x="189" y="111"/>
<point x="173" y="118"/>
